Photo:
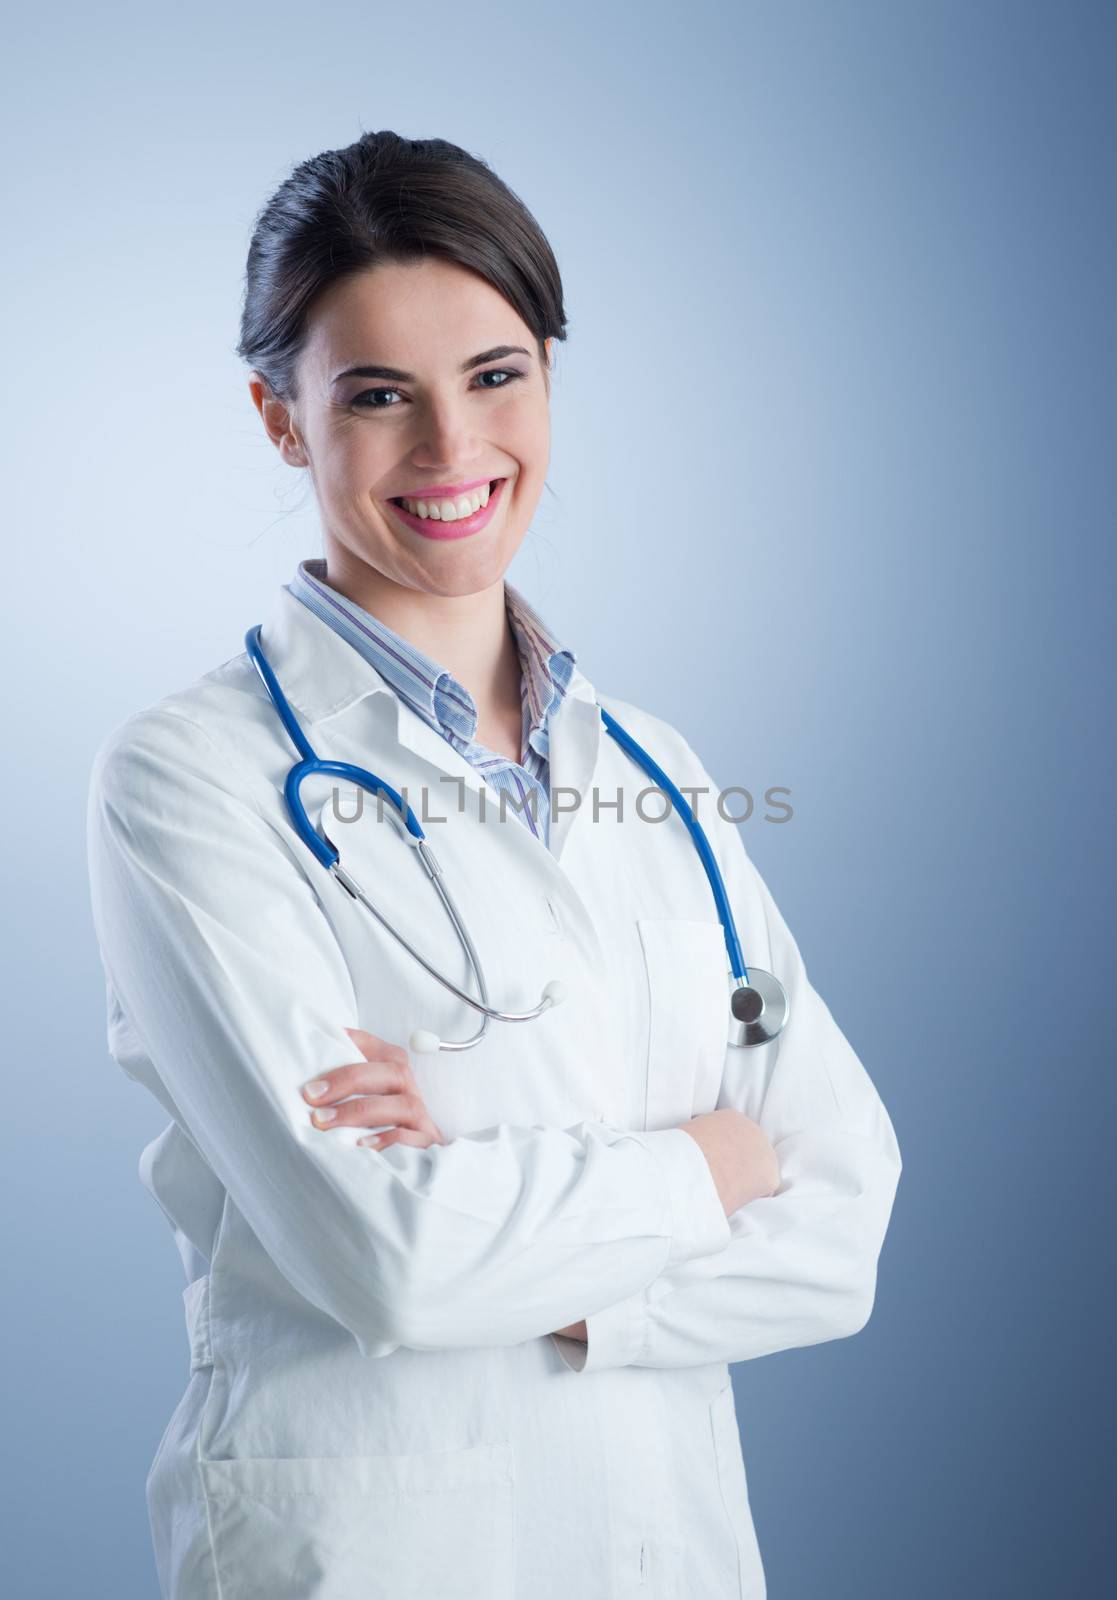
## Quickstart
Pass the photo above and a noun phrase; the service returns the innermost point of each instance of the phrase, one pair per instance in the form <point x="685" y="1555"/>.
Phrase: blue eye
<point x="508" y="374"/>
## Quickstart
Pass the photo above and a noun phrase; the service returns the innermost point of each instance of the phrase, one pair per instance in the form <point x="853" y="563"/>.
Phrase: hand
<point x="739" y="1154"/>
<point x="742" y="1163"/>
<point x="387" y="1096"/>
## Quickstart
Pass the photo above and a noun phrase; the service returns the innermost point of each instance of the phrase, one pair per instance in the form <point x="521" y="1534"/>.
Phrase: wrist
<point x="576" y="1330"/>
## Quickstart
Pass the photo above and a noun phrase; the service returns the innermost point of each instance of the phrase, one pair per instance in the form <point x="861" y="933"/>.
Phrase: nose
<point x="447" y="441"/>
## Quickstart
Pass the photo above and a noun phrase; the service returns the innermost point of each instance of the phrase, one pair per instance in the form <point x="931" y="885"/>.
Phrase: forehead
<point x="431" y="311"/>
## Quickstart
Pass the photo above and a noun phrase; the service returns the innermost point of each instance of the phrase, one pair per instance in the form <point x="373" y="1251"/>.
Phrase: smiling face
<point x="451" y="396"/>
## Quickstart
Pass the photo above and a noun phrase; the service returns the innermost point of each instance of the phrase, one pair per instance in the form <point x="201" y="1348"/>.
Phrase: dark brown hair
<point x="386" y="198"/>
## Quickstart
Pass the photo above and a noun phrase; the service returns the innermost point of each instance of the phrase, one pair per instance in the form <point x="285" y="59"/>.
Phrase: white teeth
<point x="450" y="510"/>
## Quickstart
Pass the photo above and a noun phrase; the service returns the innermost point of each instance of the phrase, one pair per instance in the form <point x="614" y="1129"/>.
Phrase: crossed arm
<point x="494" y="1237"/>
<point x="379" y="1092"/>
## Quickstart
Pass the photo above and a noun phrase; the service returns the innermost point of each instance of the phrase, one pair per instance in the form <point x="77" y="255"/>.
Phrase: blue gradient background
<point x="844" y="271"/>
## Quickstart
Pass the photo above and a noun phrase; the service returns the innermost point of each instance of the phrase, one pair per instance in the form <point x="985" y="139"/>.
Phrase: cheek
<point x="528" y="437"/>
<point x="353" y="455"/>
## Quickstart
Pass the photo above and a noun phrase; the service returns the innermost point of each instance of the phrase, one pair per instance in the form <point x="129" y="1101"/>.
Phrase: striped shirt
<point x="447" y="705"/>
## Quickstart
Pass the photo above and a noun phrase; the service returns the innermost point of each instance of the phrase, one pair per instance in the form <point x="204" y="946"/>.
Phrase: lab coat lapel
<point x="575" y="733"/>
<point x="429" y="745"/>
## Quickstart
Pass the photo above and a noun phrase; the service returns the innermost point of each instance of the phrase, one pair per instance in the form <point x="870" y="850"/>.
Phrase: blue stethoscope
<point x="758" y="1003"/>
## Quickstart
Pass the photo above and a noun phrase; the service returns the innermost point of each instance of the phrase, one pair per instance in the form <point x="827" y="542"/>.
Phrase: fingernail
<point x="316" y="1087"/>
<point x="325" y="1113"/>
<point x="370" y="1138"/>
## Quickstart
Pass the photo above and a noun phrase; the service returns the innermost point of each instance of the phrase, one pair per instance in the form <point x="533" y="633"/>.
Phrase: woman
<point x="484" y="1354"/>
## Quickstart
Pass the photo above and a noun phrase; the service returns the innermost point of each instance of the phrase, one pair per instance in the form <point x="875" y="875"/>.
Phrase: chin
<point x="464" y="572"/>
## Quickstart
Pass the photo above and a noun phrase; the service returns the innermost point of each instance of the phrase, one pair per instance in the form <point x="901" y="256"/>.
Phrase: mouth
<point x="450" y="519"/>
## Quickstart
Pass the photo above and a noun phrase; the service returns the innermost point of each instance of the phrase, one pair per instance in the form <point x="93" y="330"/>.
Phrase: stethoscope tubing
<point x="697" y="833"/>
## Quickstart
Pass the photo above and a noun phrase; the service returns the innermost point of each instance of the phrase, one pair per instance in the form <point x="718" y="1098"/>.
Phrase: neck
<point x="468" y="634"/>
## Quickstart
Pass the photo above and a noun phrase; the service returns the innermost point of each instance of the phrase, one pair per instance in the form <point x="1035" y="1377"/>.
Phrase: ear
<point x="278" y="421"/>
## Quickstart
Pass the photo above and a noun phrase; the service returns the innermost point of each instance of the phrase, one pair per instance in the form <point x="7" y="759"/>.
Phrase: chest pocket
<point x="687" y="1014"/>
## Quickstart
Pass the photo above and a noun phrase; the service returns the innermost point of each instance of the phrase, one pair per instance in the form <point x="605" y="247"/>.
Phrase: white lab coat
<point x="377" y="1405"/>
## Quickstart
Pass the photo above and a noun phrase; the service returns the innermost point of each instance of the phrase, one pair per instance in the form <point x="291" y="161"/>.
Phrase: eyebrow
<point x="497" y="353"/>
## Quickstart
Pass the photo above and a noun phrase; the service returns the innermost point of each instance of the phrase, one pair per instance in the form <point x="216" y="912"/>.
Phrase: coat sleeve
<point x="217" y="949"/>
<point x="800" y="1266"/>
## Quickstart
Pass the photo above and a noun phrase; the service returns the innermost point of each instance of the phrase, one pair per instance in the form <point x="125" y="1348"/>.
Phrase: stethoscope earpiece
<point x="423" y="1042"/>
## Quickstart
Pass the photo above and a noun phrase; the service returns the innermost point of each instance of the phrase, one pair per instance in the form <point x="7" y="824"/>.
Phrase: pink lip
<point x="461" y="527"/>
<point x="442" y="491"/>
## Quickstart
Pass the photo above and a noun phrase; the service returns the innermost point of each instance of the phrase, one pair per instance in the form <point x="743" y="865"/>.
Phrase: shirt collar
<point x="548" y="667"/>
<point x="322" y="674"/>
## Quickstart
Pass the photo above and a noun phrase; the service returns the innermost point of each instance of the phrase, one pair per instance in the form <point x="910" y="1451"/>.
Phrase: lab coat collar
<point x="323" y="676"/>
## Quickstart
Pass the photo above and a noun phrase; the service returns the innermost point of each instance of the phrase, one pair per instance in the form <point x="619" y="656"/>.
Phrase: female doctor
<point x="484" y="1353"/>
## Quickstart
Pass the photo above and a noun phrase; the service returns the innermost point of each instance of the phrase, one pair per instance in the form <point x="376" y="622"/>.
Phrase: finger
<point x="374" y="1048"/>
<point x="413" y="1136"/>
<point x="374" y="1111"/>
<point x="389" y="1075"/>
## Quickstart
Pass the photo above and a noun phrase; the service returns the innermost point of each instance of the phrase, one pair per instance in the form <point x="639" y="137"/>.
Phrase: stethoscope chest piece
<point x="758" y="1008"/>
